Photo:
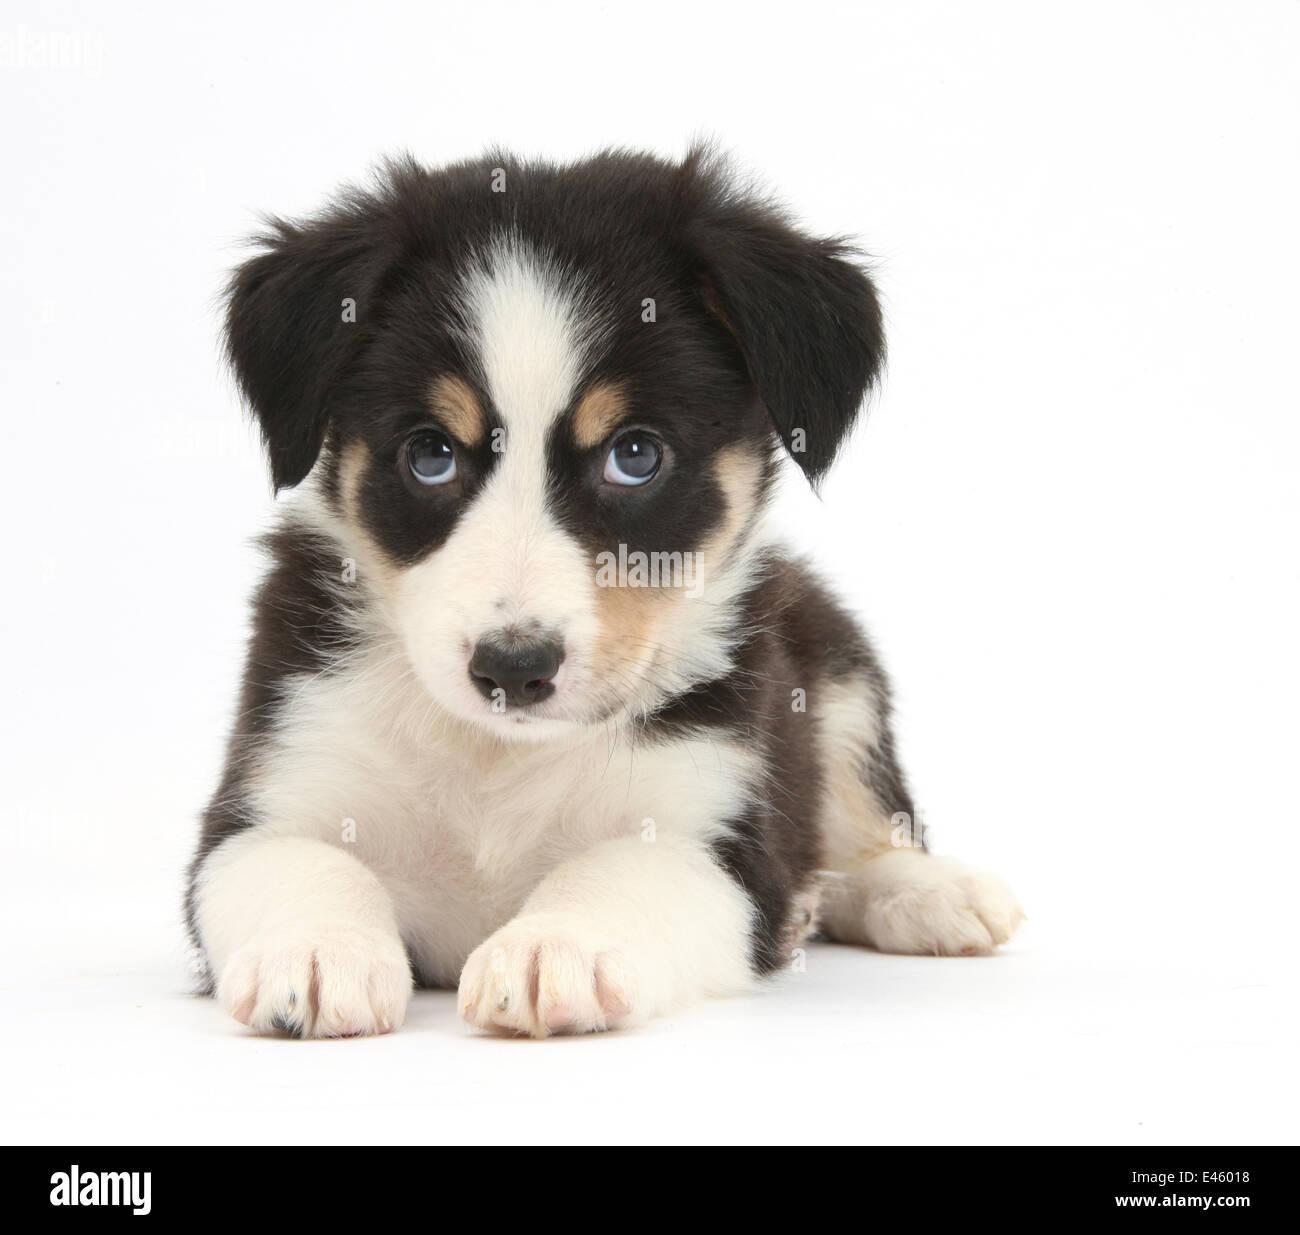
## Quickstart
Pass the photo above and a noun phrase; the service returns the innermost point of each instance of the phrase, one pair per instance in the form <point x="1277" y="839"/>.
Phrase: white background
<point x="1070" y="523"/>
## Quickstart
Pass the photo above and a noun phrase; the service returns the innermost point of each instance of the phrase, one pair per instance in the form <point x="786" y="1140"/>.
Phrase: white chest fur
<point x="459" y="826"/>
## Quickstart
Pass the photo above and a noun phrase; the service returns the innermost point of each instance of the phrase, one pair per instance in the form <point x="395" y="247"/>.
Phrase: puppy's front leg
<point x="626" y="931"/>
<point x="300" y="937"/>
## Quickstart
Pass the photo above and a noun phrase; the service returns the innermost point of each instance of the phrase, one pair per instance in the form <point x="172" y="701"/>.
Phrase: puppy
<point x="533" y="703"/>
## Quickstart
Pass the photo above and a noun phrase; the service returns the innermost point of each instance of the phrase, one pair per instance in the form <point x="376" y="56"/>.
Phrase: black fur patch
<point x="792" y="635"/>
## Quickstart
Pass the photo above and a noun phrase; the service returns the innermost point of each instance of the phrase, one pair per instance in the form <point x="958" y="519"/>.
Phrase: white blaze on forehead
<point x="508" y="561"/>
<point x="530" y="333"/>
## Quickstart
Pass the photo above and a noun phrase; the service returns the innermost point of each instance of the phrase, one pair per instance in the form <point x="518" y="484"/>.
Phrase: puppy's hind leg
<point x="887" y="890"/>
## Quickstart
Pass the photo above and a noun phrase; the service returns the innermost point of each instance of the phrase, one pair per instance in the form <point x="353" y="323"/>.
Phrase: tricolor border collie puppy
<point x="534" y="704"/>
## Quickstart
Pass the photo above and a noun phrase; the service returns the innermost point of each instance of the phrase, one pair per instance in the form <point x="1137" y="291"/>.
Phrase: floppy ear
<point x="289" y="333"/>
<point x="806" y="318"/>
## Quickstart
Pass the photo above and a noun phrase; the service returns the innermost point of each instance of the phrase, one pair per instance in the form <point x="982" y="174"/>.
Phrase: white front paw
<point x="919" y="904"/>
<point x="543" y="974"/>
<point x="333" y="983"/>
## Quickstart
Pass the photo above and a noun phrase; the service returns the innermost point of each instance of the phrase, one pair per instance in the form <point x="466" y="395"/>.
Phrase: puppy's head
<point x="545" y="404"/>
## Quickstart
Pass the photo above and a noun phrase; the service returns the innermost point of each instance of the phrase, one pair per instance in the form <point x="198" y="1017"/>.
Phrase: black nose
<point x="520" y="669"/>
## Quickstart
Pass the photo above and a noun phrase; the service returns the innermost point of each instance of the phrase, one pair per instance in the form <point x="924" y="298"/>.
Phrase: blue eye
<point x="430" y="458"/>
<point x="633" y="459"/>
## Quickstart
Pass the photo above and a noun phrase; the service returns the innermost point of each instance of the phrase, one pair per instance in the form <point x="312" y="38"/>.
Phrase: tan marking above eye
<point x="602" y="409"/>
<point x="457" y="408"/>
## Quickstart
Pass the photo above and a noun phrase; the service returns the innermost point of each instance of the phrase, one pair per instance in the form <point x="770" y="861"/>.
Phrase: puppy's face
<point x="552" y="422"/>
<point x="515" y="432"/>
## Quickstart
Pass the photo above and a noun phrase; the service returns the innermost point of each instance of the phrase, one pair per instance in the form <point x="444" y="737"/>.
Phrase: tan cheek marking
<point x="739" y="471"/>
<point x="629" y="619"/>
<point x="382" y="574"/>
<point x="458" y="408"/>
<point x="602" y="408"/>
<point x="634" y="620"/>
